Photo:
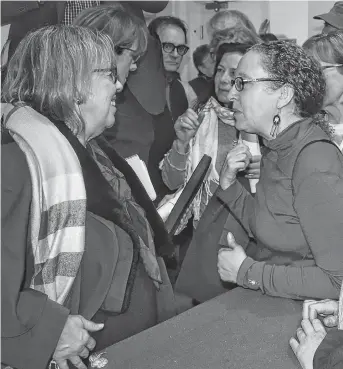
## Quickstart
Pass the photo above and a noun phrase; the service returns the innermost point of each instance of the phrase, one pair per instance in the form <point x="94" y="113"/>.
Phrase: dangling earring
<point x="276" y="124"/>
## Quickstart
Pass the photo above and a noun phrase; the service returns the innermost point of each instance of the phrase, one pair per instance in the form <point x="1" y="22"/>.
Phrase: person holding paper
<point x="296" y="214"/>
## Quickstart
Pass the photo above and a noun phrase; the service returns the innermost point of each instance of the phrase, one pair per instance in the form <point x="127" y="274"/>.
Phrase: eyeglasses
<point x="331" y="66"/>
<point x="119" y="50"/>
<point x="168" y="47"/>
<point x="239" y="82"/>
<point x="111" y="72"/>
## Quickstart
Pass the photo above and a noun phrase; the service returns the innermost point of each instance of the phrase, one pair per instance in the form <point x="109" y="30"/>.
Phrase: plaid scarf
<point x="58" y="207"/>
<point x="131" y="209"/>
<point x="74" y="7"/>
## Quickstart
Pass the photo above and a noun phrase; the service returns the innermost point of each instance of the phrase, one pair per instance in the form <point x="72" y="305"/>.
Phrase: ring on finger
<point x="84" y="353"/>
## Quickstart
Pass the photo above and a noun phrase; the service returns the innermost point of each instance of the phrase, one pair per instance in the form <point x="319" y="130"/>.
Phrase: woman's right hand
<point x="75" y="342"/>
<point x="237" y="160"/>
<point x="186" y="126"/>
<point x="326" y="308"/>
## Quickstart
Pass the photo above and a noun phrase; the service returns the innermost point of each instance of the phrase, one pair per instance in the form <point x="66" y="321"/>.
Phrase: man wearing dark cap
<point x="333" y="20"/>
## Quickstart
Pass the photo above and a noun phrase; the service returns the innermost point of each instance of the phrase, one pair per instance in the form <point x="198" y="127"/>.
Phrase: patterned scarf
<point x="135" y="213"/>
<point x="58" y="207"/>
<point x="204" y="142"/>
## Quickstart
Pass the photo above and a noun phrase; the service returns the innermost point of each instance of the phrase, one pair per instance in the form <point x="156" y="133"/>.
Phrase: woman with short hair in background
<point x="327" y="49"/>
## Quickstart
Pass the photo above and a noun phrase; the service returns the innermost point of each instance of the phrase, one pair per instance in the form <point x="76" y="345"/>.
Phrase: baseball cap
<point x="334" y="17"/>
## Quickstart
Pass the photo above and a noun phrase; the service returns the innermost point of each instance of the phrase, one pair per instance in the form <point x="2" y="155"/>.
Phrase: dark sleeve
<point x="241" y="203"/>
<point x="150" y="6"/>
<point x="12" y="9"/>
<point x="31" y="324"/>
<point x="329" y="354"/>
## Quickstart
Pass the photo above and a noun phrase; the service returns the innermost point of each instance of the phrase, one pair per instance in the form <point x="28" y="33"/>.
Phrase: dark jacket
<point x="31" y="323"/>
<point x="329" y="354"/>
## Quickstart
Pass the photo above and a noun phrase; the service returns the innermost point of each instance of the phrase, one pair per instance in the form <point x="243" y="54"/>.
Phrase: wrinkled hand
<point x="237" y="160"/>
<point x="327" y="308"/>
<point x="310" y="336"/>
<point x="253" y="169"/>
<point x="230" y="260"/>
<point x="186" y="126"/>
<point x="75" y="341"/>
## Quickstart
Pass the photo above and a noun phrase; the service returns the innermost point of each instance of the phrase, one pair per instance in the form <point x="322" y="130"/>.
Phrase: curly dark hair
<point x="160" y="22"/>
<point x="290" y="64"/>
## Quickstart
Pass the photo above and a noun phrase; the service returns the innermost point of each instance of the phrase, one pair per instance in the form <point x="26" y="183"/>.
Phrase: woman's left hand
<point x="310" y="336"/>
<point x="230" y="260"/>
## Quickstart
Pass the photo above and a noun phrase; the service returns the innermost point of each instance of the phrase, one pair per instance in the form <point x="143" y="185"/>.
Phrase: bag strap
<point x="302" y="149"/>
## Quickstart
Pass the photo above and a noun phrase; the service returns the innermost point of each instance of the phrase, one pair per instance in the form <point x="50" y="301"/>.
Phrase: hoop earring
<point x="276" y="124"/>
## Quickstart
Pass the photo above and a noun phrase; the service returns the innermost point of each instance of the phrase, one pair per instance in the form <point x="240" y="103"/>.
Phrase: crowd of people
<point x="86" y="258"/>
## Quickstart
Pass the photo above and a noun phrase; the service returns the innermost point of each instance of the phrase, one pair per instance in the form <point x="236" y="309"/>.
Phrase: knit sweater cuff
<point x="250" y="274"/>
<point x="231" y="193"/>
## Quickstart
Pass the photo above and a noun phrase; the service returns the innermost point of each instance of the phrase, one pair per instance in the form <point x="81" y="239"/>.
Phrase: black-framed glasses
<point x="168" y="47"/>
<point x="111" y="72"/>
<point x="119" y="50"/>
<point x="331" y="66"/>
<point x="239" y="82"/>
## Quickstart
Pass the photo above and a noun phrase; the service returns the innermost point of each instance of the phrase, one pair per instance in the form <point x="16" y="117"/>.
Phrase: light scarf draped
<point x="204" y="142"/>
<point x="58" y="206"/>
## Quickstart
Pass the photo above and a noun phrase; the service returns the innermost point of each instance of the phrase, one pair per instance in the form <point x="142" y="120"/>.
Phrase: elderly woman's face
<point x="173" y="35"/>
<point x="126" y="62"/>
<point x="334" y="84"/>
<point x="99" y="110"/>
<point x="256" y="104"/>
<point x="224" y="74"/>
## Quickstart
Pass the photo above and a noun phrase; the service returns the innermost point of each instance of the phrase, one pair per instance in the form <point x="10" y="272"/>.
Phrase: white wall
<point x="292" y="19"/>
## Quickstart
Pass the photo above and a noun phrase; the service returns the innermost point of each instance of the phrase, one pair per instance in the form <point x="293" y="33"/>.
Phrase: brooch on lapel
<point x="97" y="361"/>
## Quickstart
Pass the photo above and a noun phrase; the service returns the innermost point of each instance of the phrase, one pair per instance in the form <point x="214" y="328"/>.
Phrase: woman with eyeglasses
<point x="143" y="123"/>
<point x="296" y="214"/>
<point x="81" y="240"/>
<point x="327" y="49"/>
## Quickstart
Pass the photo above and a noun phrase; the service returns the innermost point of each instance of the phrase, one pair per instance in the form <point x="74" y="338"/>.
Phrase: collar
<point x="286" y="139"/>
<point x="172" y="76"/>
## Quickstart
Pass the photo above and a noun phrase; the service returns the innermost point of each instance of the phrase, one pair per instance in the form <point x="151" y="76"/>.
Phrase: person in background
<point x="268" y="37"/>
<point x="327" y="49"/>
<point x="144" y="125"/>
<point x="295" y="216"/>
<point x="315" y="347"/>
<point x="333" y="20"/>
<point x="172" y="34"/>
<point x="228" y="19"/>
<point x="204" y="63"/>
<point x="77" y="227"/>
<point x="238" y="34"/>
